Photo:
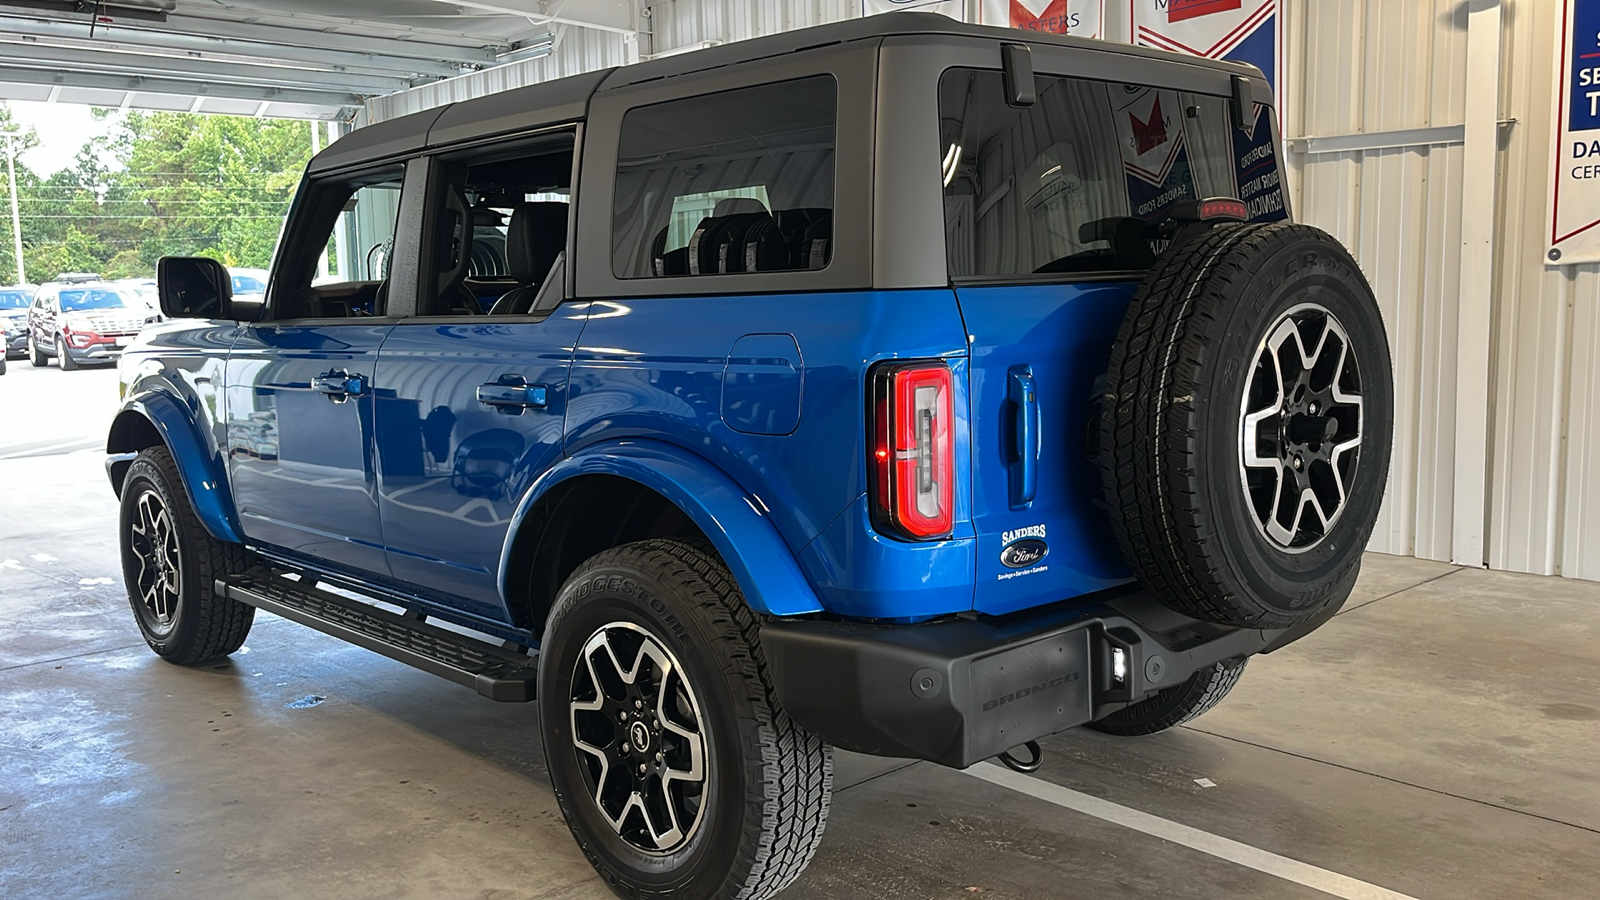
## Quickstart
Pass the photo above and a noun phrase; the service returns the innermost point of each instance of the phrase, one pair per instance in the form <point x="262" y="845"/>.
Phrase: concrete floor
<point x="1438" y="739"/>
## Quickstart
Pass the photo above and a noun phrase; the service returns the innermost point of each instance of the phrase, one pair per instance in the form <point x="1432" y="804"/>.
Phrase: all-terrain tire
<point x="1196" y="507"/>
<point x="193" y="624"/>
<point x="1175" y="705"/>
<point x="765" y="799"/>
<point x="64" y="357"/>
<point x="36" y="357"/>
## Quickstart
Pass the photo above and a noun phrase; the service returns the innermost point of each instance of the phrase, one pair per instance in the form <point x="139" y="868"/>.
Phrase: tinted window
<point x="740" y="181"/>
<point x="1078" y="181"/>
<point x="15" y="299"/>
<point x="248" y="284"/>
<point x="91" y="298"/>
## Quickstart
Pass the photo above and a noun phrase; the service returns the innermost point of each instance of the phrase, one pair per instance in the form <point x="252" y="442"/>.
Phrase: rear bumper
<point x="962" y="691"/>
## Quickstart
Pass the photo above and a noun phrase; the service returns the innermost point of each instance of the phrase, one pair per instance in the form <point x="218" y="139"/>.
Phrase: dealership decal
<point x="1024" y="548"/>
<point x="1575" y="186"/>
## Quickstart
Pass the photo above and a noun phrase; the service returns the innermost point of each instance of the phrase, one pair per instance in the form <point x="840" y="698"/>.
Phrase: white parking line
<point x="80" y="444"/>
<point x="1222" y="848"/>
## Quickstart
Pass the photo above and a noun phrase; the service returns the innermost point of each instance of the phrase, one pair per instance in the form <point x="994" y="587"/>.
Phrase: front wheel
<point x="63" y="357"/>
<point x="170" y="564"/>
<point x="674" y="766"/>
<point x="36" y="357"/>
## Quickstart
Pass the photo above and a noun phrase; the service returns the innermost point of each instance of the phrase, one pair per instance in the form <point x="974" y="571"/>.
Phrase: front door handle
<point x="1023" y="395"/>
<point x="339" y="384"/>
<point x="512" y="394"/>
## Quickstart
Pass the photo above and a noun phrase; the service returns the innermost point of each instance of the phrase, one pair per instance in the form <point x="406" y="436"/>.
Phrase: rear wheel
<point x="673" y="764"/>
<point x="63" y="357"/>
<point x="1246" y="425"/>
<point x="170" y="564"/>
<point x="1175" y="705"/>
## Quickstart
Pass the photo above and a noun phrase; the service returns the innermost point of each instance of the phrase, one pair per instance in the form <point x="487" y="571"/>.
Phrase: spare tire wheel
<point x="1244" y="439"/>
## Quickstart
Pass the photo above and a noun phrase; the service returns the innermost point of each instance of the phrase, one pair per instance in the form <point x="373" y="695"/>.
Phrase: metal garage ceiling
<point x="280" y="58"/>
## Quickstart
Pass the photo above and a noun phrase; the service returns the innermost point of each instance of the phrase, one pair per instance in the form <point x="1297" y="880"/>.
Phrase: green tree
<point x="25" y="139"/>
<point x="159" y="184"/>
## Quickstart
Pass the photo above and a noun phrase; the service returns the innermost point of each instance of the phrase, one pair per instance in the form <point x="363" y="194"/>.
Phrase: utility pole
<point x="16" y="220"/>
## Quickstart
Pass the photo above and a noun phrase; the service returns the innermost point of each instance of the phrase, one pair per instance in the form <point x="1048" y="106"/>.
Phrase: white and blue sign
<point x="1575" y="179"/>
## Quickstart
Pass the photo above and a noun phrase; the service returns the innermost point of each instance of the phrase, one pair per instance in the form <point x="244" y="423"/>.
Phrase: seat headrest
<point x="538" y="231"/>
<point x="735" y="205"/>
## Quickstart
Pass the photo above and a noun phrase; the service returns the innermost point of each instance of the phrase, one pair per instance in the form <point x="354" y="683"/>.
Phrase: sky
<point x="63" y="128"/>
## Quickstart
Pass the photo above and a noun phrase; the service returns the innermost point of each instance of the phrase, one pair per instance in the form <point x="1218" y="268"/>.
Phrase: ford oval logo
<point x="1024" y="553"/>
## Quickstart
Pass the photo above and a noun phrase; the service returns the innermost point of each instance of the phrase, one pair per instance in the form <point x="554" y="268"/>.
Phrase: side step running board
<point x="493" y="671"/>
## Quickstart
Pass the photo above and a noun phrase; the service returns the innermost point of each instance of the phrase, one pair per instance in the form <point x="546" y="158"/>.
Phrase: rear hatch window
<point x="1071" y="183"/>
<point x="1049" y="212"/>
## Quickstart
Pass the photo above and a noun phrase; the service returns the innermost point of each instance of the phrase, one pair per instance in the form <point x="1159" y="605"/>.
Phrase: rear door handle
<point x="339" y="384"/>
<point x="512" y="394"/>
<point x="1023" y="395"/>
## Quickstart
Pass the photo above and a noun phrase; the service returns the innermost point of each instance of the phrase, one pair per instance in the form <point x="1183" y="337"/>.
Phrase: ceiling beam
<point x="180" y="87"/>
<point x="603" y="15"/>
<point x="481" y="53"/>
<point x="73" y="59"/>
<point x="398" y="62"/>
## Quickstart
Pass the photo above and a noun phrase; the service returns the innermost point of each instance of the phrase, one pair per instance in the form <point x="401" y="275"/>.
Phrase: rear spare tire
<point x="1246" y="425"/>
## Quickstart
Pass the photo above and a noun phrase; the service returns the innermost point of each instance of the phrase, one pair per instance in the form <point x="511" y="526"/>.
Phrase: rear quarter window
<point x="1074" y="183"/>
<point x="726" y="183"/>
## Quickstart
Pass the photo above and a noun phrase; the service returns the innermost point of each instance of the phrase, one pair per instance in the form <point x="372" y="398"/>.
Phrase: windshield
<point x="91" y="298"/>
<point x="15" y="299"/>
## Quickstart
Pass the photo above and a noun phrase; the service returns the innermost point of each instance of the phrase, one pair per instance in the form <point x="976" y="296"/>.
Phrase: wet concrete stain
<point x="1572" y="712"/>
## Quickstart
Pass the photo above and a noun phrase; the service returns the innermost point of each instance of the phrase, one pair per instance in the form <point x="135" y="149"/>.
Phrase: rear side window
<point x="1077" y="182"/>
<point x="739" y="181"/>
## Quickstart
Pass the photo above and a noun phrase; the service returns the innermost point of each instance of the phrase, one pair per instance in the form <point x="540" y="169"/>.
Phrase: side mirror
<point x="193" y="287"/>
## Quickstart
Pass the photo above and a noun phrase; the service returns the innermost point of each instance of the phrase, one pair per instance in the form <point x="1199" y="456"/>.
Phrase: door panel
<point x="300" y="440"/>
<point x="467" y="416"/>
<point x="1037" y="354"/>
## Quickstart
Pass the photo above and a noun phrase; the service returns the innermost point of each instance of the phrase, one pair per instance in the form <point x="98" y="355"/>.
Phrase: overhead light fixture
<point x="535" y="47"/>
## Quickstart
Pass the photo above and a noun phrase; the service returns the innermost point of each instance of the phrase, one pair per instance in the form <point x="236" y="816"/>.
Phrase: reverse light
<point x="913" y="449"/>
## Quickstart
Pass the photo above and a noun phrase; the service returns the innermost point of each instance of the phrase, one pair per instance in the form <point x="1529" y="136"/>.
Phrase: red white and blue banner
<point x="1080" y="18"/>
<point x="1575" y="184"/>
<point x="1249" y="31"/>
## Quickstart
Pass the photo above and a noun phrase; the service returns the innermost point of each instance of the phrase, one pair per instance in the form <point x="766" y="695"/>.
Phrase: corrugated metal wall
<point x="578" y="50"/>
<point x="1374" y="66"/>
<point x="1361" y="67"/>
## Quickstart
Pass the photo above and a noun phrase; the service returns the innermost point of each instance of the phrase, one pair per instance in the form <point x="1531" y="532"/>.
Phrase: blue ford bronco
<point x="898" y="385"/>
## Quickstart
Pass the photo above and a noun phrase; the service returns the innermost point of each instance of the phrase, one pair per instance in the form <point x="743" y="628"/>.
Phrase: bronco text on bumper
<point x="899" y="385"/>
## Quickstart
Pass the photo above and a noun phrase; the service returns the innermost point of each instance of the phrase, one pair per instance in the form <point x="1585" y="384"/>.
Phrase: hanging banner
<point x="1575" y="188"/>
<point x="1079" y="18"/>
<point x="1249" y="31"/>
<point x="1155" y="156"/>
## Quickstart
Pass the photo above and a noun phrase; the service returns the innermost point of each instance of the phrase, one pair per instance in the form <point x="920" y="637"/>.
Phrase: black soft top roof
<point x="567" y="99"/>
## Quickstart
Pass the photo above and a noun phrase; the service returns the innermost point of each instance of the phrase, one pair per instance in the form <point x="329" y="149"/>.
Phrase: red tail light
<point x="913" y="449"/>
